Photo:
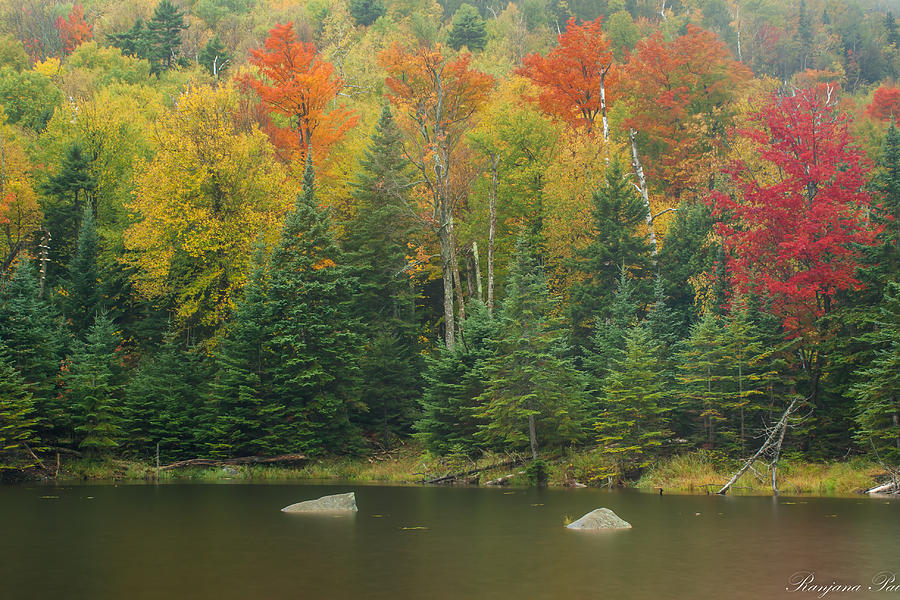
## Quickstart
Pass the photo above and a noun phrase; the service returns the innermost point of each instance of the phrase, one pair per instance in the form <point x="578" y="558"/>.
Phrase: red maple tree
<point x="74" y="30"/>
<point x="886" y="104"/>
<point x="793" y="227"/>
<point x="295" y="82"/>
<point x="571" y="75"/>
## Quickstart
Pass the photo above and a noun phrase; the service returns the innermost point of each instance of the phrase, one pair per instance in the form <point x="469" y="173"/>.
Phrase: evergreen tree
<point x="633" y="419"/>
<point x="366" y="12"/>
<point x="314" y="335"/>
<point x="18" y="420"/>
<point x="30" y="331"/>
<point x="68" y="192"/>
<point x="619" y="214"/>
<point x="877" y="391"/>
<point x="702" y="373"/>
<point x="163" y="403"/>
<point x="214" y="57"/>
<point x="534" y="395"/>
<point x="93" y="389"/>
<point x="883" y="259"/>
<point x="453" y="382"/>
<point x="163" y="33"/>
<point x="468" y="29"/>
<point x="83" y="296"/>
<point x="609" y="337"/>
<point x="386" y="295"/>
<point x="135" y="42"/>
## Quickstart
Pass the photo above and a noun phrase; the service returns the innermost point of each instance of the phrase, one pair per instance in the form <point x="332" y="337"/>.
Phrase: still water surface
<point x="230" y="541"/>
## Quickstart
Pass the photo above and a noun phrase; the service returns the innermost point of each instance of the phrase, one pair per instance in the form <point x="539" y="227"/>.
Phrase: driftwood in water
<point x="501" y="480"/>
<point x="246" y="460"/>
<point x="886" y="488"/>
<point x="463" y="474"/>
<point x="772" y="446"/>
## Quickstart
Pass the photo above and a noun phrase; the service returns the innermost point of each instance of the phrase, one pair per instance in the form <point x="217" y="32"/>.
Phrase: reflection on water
<point x="232" y="542"/>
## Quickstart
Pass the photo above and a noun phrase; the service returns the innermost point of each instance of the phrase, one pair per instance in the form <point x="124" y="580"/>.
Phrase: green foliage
<point x="214" y="57"/>
<point x="468" y="29"/>
<point x="158" y="40"/>
<point x="12" y="54"/>
<point x="83" y="294"/>
<point x="619" y="243"/>
<point x="533" y="395"/>
<point x="28" y="98"/>
<point x="609" y="335"/>
<point x="18" y="421"/>
<point x="366" y="12"/>
<point x="93" y="389"/>
<point x="213" y="11"/>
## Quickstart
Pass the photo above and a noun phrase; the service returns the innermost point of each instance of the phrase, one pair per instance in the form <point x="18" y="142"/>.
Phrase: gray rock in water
<point x="601" y="518"/>
<point x="336" y="503"/>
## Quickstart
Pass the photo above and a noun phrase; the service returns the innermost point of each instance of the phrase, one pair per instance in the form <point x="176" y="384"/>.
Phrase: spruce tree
<point x="609" y="335"/>
<point x="619" y="216"/>
<point x="533" y="393"/>
<point x="163" y="33"/>
<point x="83" y="297"/>
<point x="18" y="419"/>
<point x="214" y="57"/>
<point x="633" y="420"/>
<point x="468" y="29"/>
<point x="314" y="335"/>
<point x="453" y="383"/>
<point x="134" y="42"/>
<point x="385" y="299"/>
<point x="93" y="389"/>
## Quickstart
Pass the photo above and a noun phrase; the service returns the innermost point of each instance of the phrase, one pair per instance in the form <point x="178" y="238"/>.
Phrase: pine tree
<point x="633" y="419"/>
<point x="366" y="12"/>
<point x="214" y="57"/>
<point x="468" y="29"/>
<point x="534" y="395"/>
<point x="163" y="33"/>
<point x="618" y="215"/>
<point x="702" y="372"/>
<point x="453" y="382"/>
<point x="314" y="335"/>
<point x="609" y="337"/>
<point x="18" y="420"/>
<point x="30" y="331"/>
<point x="134" y="42"/>
<point x="69" y="191"/>
<point x="93" y="389"/>
<point x="83" y="297"/>
<point x="385" y="299"/>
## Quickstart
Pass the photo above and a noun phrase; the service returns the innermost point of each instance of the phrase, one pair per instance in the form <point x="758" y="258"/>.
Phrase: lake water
<point x="230" y="541"/>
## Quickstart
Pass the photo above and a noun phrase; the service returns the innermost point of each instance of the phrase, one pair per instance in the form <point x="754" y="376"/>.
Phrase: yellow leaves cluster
<point x="210" y="193"/>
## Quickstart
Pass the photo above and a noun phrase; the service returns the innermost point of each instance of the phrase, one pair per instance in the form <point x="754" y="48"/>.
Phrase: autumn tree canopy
<point x="74" y="30"/>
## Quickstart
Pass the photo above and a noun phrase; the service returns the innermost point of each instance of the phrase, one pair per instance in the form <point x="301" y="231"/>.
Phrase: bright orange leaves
<point x="295" y="83"/>
<point x="570" y="76"/>
<point x="74" y="30"/>
<point x="885" y="105"/>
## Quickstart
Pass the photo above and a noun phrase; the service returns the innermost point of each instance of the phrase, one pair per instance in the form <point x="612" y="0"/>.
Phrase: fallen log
<point x="463" y="474"/>
<point x="245" y="460"/>
<point x="500" y="480"/>
<point x="884" y="488"/>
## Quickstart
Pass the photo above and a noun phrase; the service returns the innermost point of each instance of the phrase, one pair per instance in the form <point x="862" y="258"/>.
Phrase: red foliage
<point x="681" y="95"/>
<point x="296" y="83"/>
<point x="793" y="227"/>
<point x="886" y="104"/>
<point x="74" y="31"/>
<point x="570" y="75"/>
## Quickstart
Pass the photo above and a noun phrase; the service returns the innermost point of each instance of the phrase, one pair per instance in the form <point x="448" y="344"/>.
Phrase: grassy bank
<point x="694" y="472"/>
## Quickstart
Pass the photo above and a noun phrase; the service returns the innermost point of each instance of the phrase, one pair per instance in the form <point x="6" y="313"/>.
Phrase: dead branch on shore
<point x="451" y="477"/>
<point x="246" y="460"/>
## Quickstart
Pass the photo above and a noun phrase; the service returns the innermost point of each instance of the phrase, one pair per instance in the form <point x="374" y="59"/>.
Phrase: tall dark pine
<point x="134" y="42"/>
<point x="619" y="215"/>
<point x="214" y="57"/>
<point x="67" y="194"/>
<point x="83" y="294"/>
<point x="314" y="335"/>
<point x="164" y="35"/>
<point x="468" y="29"/>
<point x="385" y="300"/>
<point x="366" y="12"/>
<point x="18" y="420"/>
<point x="609" y="336"/>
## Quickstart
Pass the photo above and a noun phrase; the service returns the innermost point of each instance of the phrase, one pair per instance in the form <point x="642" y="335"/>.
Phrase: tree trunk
<point x="457" y="282"/>
<point x="447" y="277"/>
<point x="639" y="171"/>
<point x="470" y="273"/>
<point x="532" y="436"/>
<point x="603" y="102"/>
<point x="477" y="271"/>
<point x="492" y="230"/>
<point x="45" y="248"/>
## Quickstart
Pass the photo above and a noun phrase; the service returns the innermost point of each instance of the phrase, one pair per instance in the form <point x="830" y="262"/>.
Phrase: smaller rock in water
<point x="335" y="503"/>
<point x="601" y="518"/>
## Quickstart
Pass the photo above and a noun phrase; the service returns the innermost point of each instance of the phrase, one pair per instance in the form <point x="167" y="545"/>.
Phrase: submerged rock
<point x="335" y="503"/>
<point x="601" y="518"/>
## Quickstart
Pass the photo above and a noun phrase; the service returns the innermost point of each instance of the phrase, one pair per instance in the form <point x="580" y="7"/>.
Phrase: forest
<point x="255" y="227"/>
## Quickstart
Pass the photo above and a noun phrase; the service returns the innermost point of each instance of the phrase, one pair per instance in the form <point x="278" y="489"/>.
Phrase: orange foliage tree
<point x="575" y="77"/>
<point x="74" y="30"/>
<point x="295" y="83"/>
<point x="436" y="97"/>
<point x="886" y="104"/>
<point x="681" y="95"/>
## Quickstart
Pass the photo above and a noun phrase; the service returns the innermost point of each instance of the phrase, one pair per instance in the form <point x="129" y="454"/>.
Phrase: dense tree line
<point x="234" y="228"/>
